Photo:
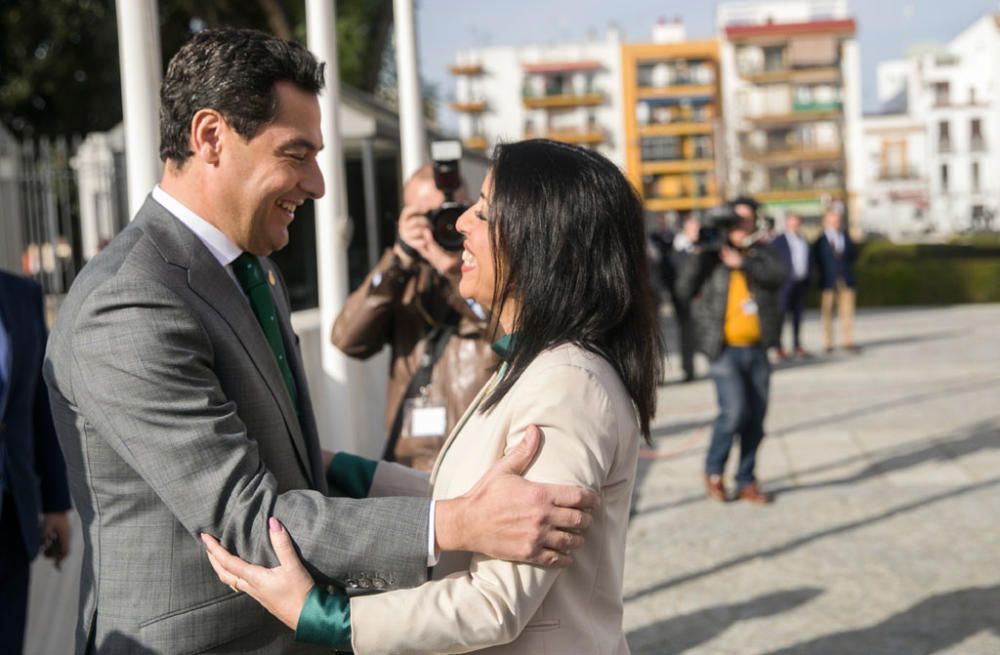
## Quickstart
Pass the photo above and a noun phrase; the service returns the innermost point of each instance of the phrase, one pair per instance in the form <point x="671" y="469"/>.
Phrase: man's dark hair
<point x="749" y="201"/>
<point x="233" y="71"/>
<point x="569" y="244"/>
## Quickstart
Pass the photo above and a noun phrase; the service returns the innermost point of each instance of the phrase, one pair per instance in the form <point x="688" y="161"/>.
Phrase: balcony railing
<point x="570" y="99"/>
<point x="945" y="146"/>
<point x="977" y="144"/>
<point x="589" y="136"/>
<point x="794" y="152"/>
<point x="465" y="69"/>
<point x="475" y="142"/>
<point x="469" y="106"/>
<point x="899" y="174"/>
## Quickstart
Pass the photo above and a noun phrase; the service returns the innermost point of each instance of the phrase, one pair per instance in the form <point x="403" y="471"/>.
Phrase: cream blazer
<point x="475" y="603"/>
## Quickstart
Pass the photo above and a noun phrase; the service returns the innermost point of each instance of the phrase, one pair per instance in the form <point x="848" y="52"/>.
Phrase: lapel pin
<point x="270" y="277"/>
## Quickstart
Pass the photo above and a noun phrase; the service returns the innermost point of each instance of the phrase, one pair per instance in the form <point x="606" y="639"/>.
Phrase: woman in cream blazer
<point x="555" y="245"/>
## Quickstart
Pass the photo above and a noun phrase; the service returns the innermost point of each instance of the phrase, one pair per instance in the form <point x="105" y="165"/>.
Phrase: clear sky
<point x="886" y="28"/>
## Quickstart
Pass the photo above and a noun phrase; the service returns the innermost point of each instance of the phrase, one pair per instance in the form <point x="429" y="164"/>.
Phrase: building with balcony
<point x="791" y="86"/>
<point x="951" y="94"/>
<point x="672" y="115"/>
<point x="569" y="92"/>
<point x="896" y="196"/>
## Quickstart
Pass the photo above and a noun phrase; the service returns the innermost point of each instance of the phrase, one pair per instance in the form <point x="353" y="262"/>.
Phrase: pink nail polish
<point x="273" y="524"/>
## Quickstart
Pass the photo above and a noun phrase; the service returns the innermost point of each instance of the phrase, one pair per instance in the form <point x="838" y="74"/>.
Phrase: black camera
<point x="446" y="156"/>
<point x="715" y="226"/>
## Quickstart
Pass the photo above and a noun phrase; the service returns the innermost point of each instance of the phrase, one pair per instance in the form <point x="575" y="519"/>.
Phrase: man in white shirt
<point x="793" y="251"/>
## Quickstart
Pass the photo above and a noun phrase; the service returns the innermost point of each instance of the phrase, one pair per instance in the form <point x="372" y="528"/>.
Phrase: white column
<point x="336" y="395"/>
<point x="411" y="115"/>
<point x="140" y="63"/>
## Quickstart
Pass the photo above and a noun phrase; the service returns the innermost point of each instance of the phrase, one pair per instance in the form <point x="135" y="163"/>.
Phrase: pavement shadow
<point x="881" y="406"/>
<point x="672" y="429"/>
<point x="680" y="633"/>
<point x="981" y="437"/>
<point x="930" y="626"/>
<point x="798" y="542"/>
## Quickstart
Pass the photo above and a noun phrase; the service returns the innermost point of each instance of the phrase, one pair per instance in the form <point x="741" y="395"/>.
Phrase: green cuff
<point x="351" y="475"/>
<point x="325" y="620"/>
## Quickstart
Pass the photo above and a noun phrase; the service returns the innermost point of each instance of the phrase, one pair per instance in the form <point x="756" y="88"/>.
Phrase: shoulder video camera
<point x="716" y="224"/>
<point x="446" y="156"/>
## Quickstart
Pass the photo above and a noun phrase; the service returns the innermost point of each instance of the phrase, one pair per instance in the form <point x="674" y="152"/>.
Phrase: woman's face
<point x="478" y="276"/>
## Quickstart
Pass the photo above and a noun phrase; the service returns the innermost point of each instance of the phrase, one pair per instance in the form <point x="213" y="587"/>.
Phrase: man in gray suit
<point x="180" y="401"/>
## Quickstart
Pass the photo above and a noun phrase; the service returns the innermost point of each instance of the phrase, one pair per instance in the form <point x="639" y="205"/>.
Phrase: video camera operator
<point x="441" y="353"/>
<point x="732" y="284"/>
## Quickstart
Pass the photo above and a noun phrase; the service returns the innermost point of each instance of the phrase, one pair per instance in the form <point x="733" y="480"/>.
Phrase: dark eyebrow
<point x="299" y="144"/>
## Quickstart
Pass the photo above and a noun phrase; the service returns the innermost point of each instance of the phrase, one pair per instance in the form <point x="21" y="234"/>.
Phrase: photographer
<point x="732" y="284"/>
<point x="441" y="355"/>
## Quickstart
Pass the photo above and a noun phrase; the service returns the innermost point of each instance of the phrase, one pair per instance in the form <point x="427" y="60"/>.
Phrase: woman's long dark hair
<point x="568" y="241"/>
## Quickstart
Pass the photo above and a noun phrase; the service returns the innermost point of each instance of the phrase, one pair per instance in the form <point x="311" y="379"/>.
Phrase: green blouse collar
<point x="504" y="346"/>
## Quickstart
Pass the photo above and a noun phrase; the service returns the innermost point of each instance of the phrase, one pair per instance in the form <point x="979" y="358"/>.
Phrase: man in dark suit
<point x="180" y="399"/>
<point x="834" y="254"/>
<point x="793" y="251"/>
<point x="35" y="496"/>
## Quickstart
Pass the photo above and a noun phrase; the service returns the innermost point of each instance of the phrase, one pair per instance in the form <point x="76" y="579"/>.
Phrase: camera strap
<point x="435" y="343"/>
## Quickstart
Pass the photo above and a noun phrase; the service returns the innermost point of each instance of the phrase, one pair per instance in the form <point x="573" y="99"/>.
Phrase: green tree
<point x="59" y="60"/>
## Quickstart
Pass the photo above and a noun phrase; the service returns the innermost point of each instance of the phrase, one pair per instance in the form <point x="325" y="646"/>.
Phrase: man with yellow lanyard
<point x="733" y="289"/>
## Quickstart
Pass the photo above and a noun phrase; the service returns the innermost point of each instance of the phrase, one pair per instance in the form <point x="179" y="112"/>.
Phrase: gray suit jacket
<point x="174" y="420"/>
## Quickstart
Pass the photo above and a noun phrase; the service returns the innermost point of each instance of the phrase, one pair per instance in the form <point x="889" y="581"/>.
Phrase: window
<point x="944" y="177"/>
<point x="975" y="176"/>
<point x="976" y="141"/>
<point x="944" y="137"/>
<point x="774" y="58"/>
<point x="942" y="93"/>
<point x="660" y="148"/>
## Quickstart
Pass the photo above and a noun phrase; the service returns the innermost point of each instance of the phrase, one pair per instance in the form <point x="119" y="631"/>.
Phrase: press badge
<point x="749" y="307"/>
<point x="424" y="417"/>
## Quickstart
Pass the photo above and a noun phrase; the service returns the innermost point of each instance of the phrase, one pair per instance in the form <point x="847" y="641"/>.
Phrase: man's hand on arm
<point x="506" y="517"/>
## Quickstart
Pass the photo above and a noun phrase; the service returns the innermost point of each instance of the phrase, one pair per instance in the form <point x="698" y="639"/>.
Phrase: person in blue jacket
<point x="34" y="495"/>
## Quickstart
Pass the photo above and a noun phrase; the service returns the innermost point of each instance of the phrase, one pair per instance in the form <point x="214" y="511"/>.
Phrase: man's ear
<point x="207" y="128"/>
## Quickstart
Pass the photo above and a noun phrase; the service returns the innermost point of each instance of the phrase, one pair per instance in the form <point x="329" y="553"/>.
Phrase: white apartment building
<point x="569" y="92"/>
<point x="948" y="100"/>
<point x="791" y="85"/>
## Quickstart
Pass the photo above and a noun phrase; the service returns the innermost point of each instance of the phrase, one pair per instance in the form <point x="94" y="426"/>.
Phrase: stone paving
<point x="884" y="536"/>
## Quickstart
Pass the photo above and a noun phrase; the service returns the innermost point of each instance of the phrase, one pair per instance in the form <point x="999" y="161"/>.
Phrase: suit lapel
<point x="212" y="283"/>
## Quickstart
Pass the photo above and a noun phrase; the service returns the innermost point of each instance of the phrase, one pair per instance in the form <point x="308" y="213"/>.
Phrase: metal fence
<point x="57" y="205"/>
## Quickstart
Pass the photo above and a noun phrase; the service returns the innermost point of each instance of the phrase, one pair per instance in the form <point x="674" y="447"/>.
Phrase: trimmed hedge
<point x="927" y="274"/>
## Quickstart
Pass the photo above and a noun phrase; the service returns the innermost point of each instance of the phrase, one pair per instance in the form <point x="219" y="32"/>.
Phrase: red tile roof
<point x="839" y="26"/>
<point x="562" y="66"/>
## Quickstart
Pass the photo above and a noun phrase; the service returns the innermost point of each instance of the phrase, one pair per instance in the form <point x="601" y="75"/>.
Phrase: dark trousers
<point x="15" y="568"/>
<point x="685" y="336"/>
<point x="742" y="379"/>
<point x="793" y="303"/>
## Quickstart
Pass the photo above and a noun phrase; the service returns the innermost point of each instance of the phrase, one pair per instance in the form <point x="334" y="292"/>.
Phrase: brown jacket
<point x="398" y="307"/>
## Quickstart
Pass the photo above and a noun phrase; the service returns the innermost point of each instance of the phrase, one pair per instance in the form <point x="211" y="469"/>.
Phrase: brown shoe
<point x="716" y="488"/>
<point x="752" y="494"/>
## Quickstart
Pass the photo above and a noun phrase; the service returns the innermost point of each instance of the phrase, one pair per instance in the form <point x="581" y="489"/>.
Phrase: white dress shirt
<point x="226" y="252"/>
<point x="836" y="239"/>
<point x="799" y="250"/>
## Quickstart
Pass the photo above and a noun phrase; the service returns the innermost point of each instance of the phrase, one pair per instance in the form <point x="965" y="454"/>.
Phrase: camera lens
<point x="443" y="221"/>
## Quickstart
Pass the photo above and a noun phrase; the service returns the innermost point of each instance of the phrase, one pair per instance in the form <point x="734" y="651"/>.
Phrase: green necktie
<point x="250" y="275"/>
